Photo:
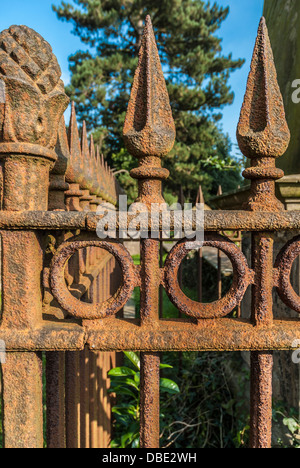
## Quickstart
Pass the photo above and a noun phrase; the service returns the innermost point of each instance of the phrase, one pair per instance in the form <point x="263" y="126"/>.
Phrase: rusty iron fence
<point x="77" y="399"/>
<point x="47" y="251"/>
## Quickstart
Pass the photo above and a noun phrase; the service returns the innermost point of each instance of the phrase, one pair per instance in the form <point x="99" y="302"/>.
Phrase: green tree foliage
<point x="196" y="73"/>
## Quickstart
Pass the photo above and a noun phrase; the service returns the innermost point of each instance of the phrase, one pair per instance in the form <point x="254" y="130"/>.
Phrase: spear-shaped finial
<point x="74" y="173"/>
<point x="62" y="150"/>
<point x="93" y="166"/>
<point x="262" y="131"/>
<point x="58" y="185"/>
<point x="85" y="151"/>
<point x="149" y="130"/>
<point x="149" y="127"/>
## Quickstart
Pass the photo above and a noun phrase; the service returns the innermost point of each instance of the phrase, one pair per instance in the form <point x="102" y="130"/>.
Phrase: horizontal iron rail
<point x="225" y="334"/>
<point x="213" y="221"/>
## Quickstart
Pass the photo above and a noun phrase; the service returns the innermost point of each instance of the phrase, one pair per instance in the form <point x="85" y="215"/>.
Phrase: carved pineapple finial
<point x="34" y="93"/>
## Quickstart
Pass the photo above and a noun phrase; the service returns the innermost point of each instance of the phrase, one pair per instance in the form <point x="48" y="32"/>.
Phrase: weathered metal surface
<point x="84" y="310"/>
<point x="35" y="97"/>
<point x="261" y="399"/>
<point x="149" y="402"/>
<point x="213" y="220"/>
<point x="22" y="400"/>
<point x="224" y="334"/>
<point x="262" y="264"/>
<point x="72" y="400"/>
<point x="79" y="182"/>
<point x="35" y="102"/>
<point x="149" y="130"/>
<point x="284" y="263"/>
<point x="58" y="185"/>
<point x="262" y="132"/>
<point x="149" y="133"/>
<point x="263" y="135"/>
<point x="242" y="277"/>
<point x="87" y="169"/>
<point x="55" y="399"/>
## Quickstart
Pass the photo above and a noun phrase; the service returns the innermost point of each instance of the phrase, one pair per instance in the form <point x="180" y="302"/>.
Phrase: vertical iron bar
<point x="100" y="393"/>
<point x="149" y="103"/>
<point x="261" y="399"/>
<point x="200" y="275"/>
<point x="22" y="398"/>
<point x="72" y="399"/>
<point x="149" y="435"/>
<point x="261" y="362"/>
<point x="219" y="274"/>
<point x="93" y="397"/>
<point x="161" y="289"/>
<point x="84" y="399"/>
<point x="149" y="392"/>
<point x="55" y="397"/>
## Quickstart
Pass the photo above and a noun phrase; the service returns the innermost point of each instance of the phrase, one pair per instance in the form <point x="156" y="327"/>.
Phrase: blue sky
<point x="238" y="33"/>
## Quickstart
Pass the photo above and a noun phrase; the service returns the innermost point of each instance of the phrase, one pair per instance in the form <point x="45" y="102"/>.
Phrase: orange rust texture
<point x="72" y="399"/>
<point x="262" y="132"/>
<point x="224" y="334"/>
<point x="28" y="132"/>
<point x="149" y="403"/>
<point x="242" y="277"/>
<point x="87" y="221"/>
<point x="262" y="264"/>
<point x="261" y="399"/>
<point x="263" y="135"/>
<point x="55" y="399"/>
<point x="149" y="130"/>
<point x="35" y="102"/>
<point x="21" y="295"/>
<point x="150" y="272"/>
<point x="149" y="134"/>
<point x="22" y="397"/>
<point x="80" y="181"/>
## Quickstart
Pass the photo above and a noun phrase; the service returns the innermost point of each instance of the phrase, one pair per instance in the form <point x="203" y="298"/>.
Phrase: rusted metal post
<point x="149" y="133"/>
<point x="55" y="399"/>
<point x="35" y="102"/>
<point x="149" y="391"/>
<point x="72" y="400"/>
<point x="261" y="399"/>
<point x="149" y="431"/>
<point x="55" y="361"/>
<point x="219" y="273"/>
<point x="263" y="135"/>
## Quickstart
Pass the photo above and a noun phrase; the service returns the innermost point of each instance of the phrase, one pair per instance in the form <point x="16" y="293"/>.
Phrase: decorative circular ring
<point x="284" y="263"/>
<point x="83" y="310"/>
<point x="242" y="277"/>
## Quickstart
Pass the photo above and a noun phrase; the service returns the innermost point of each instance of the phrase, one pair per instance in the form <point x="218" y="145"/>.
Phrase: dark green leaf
<point x="169" y="386"/>
<point x="121" y="371"/>
<point x="134" y="358"/>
